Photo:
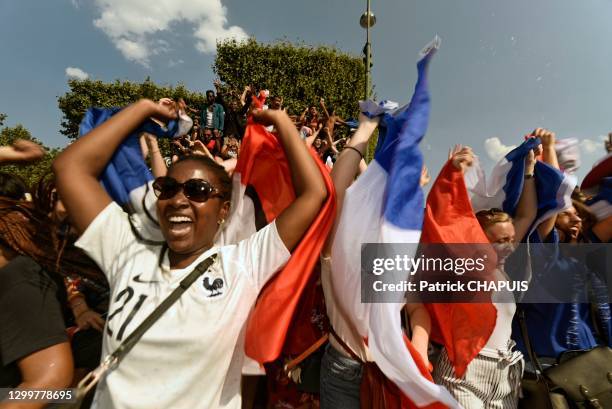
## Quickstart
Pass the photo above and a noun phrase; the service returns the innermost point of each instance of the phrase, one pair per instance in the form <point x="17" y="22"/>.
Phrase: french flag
<point x="463" y="328"/>
<point x="385" y="205"/>
<point x="126" y="178"/>
<point x="262" y="189"/>
<point x="503" y="189"/>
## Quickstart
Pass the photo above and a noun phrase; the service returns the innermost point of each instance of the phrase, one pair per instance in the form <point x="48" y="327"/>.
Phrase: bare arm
<point x="158" y="164"/>
<point x="78" y="167"/>
<point x="310" y="139"/>
<point x="347" y="167"/>
<point x="324" y="108"/>
<point x="420" y="325"/>
<point x="21" y="151"/>
<point x="330" y="142"/>
<point x="49" y="368"/>
<point x="549" y="155"/>
<point x="528" y="203"/>
<point x="308" y="182"/>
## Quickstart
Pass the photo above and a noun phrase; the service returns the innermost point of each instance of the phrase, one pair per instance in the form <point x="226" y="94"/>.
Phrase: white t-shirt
<point x="500" y="338"/>
<point x="192" y="356"/>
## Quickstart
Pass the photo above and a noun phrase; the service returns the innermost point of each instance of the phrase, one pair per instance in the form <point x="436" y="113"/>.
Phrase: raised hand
<point x="547" y="137"/>
<point x="462" y="157"/>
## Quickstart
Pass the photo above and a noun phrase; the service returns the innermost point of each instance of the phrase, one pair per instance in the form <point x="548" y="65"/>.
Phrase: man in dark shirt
<point x="34" y="349"/>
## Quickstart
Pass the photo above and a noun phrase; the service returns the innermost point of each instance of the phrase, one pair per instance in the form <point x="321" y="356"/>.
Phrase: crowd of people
<point x="76" y="280"/>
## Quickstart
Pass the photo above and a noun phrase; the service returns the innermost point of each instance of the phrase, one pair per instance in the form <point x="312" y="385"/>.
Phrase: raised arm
<point x="528" y="203"/>
<point x="78" y="167"/>
<point x="308" y="182"/>
<point x="347" y="167"/>
<point x="549" y="155"/>
<point x="311" y="138"/>
<point x="21" y="151"/>
<point x="158" y="164"/>
<point x="330" y="142"/>
<point x="324" y="108"/>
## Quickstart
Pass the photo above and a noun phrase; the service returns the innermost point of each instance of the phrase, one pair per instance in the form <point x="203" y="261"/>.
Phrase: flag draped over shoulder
<point x="463" y="328"/>
<point x="503" y="189"/>
<point x="385" y="204"/>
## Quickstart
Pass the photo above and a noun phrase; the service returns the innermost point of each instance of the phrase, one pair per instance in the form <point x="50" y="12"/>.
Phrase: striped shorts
<point x="488" y="383"/>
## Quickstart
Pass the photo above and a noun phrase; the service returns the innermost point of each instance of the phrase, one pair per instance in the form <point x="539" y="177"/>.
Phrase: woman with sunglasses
<point x="192" y="357"/>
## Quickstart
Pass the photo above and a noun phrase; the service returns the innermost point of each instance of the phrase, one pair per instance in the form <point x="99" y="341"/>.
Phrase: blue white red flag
<point x="385" y="205"/>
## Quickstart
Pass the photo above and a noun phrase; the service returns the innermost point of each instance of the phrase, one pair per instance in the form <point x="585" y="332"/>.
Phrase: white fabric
<point x="192" y="357"/>
<point x="209" y="118"/>
<point x="568" y="154"/>
<point x="185" y="123"/>
<point x="379" y="322"/>
<point x="503" y="301"/>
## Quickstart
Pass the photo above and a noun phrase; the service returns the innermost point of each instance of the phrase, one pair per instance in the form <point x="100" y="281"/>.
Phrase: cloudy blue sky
<point x="504" y="67"/>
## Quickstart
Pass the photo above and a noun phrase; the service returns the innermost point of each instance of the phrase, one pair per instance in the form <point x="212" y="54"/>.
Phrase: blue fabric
<point x="399" y="154"/>
<point x="127" y="169"/>
<point x="549" y="182"/>
<point x="556" y="328"/>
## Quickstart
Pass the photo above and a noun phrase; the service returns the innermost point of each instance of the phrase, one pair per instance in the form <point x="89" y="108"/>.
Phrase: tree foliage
<point x="299" y="73"/>
<point x="30" y="174"/>
<point x="85" y="94"/>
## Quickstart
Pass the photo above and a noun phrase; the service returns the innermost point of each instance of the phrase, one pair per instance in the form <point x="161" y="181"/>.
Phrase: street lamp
<point x="367" y="20"/>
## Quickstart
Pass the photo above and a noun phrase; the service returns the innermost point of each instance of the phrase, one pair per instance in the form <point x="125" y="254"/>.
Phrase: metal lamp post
<point x="366" y="21"/>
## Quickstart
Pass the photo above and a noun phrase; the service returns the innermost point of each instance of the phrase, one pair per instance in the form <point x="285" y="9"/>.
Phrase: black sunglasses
<point x="196" y="190"/>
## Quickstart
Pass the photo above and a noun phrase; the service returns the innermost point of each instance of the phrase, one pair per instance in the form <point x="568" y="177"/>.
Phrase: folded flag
<point x="387" y="202"/>
<point x="503" y="189"/>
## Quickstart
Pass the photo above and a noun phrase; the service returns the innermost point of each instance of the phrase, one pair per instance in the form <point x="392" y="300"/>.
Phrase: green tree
<point x="84" y="94"/>
<point x="299" y="73"/>
<point x="32" y="173"/>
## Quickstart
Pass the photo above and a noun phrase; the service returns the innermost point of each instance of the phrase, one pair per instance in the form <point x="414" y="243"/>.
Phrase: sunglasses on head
<point x="196" y="190"/>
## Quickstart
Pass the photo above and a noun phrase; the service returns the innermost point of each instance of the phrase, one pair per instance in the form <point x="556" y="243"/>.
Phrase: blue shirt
<point x="556" y="328"/>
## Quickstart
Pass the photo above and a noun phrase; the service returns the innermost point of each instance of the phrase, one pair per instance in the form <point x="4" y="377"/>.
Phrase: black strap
<point x="344" y="345"/>
<point x="112" y="360"/>
<point x="532" y="354"/>
<point x="135" y="336"/>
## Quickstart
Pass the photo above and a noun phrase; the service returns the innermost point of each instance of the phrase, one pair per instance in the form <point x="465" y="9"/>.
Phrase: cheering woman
<point x="192" y="356"/>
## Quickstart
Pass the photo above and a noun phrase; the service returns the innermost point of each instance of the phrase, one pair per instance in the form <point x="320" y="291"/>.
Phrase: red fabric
<point x="263" y="165"/>
<point x="462" y="328"/>
<point x="600" y="171"/>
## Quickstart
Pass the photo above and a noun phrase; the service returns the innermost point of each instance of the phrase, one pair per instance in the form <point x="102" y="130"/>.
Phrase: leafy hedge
<point x="299" y="73"/>
<point x="89" y="93"/>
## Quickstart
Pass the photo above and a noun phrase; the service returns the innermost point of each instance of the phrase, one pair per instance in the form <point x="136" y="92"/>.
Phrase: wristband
<point x="355" y="149"/>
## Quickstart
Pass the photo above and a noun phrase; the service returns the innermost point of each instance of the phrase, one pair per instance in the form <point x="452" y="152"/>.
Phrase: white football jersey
<point x="192" y="356"/>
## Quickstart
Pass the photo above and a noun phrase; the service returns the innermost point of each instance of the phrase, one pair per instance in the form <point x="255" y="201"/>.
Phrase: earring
<point x="220" y="222"/>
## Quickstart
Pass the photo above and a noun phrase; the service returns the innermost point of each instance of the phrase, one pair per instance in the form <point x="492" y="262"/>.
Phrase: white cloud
<point x="74" y="72"/>
<point x="174" y="63"/>
<point x="496" y="149"/>
<point x="134" y="26"/>
<point x="590" y="146"/>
